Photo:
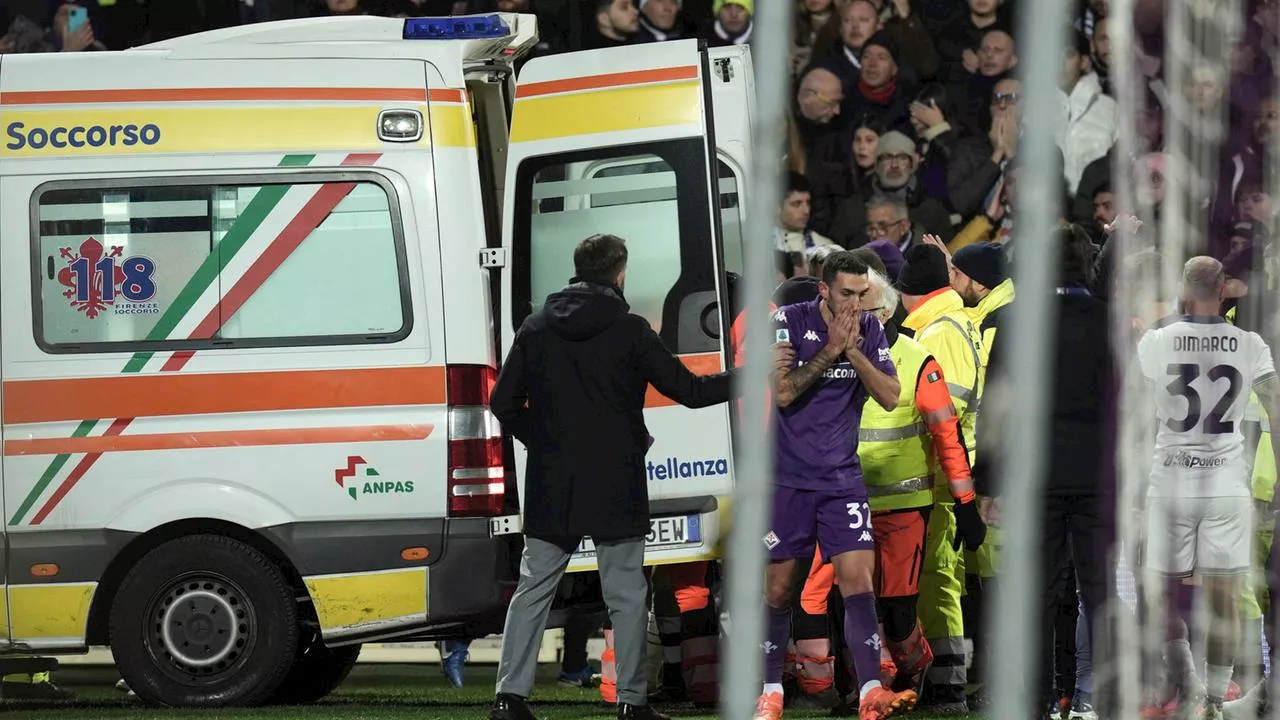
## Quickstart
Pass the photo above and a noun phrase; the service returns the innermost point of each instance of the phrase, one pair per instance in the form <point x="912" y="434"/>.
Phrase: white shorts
<point x="1209" y="536"/>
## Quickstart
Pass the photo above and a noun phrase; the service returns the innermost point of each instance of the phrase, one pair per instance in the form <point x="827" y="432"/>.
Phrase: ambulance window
<point x="732" y="217"/>
<point x="217" y="265"/>
<point x="342" y="279"/>
<point x="660" y="185"/>
<point x="654" y="197"/>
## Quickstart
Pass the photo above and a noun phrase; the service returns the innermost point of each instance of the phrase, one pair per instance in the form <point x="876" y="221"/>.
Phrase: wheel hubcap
<point x="203" y="626"/>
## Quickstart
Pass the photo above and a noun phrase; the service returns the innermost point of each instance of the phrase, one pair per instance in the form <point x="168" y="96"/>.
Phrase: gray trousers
<point x="625" y="592"/>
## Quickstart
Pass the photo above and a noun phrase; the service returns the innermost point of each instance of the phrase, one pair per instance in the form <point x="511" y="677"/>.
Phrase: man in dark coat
<point x="1080" y="461"/>
<point x="572" y="391"/>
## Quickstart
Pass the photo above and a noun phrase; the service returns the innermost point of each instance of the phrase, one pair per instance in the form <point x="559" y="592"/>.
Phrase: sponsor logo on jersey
<point x="883" y="354"/>
<point x="840" y="371"/>
<point x="1188" y="461"/>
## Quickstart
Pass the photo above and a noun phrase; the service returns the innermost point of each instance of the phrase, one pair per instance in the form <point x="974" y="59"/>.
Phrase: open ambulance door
<point x="621" y="141"/>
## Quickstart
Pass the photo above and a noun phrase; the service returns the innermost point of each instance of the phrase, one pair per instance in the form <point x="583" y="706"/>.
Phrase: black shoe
<point x="639" y="712"/>
<point x="46" y="690"/>
<point x="510" y="707"/>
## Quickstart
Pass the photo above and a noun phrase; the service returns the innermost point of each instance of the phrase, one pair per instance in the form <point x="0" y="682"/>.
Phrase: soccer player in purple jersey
<point x="840" y="357"/>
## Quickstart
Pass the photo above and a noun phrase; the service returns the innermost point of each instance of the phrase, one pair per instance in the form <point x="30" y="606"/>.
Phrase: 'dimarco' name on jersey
<point x="1214" y="343"/>
<point x="839" y="371"/>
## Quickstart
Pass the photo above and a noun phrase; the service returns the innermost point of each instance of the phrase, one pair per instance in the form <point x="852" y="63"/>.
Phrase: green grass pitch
<point x="373" y="692"/>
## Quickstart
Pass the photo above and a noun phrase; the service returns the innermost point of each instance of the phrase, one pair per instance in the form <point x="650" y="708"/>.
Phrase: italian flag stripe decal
<point x="244" y="227"/>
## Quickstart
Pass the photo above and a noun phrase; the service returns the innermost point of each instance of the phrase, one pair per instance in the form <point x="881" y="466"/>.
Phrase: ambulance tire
<point x="204" y="621"/>
<point x="318" y="671"/>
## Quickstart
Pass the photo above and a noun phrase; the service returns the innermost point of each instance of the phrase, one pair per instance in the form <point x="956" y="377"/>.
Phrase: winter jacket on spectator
<point x="962" y="34"/>
<point x="1245" y="164"/>
<point x="716" y="36"/>
<point x="825" y="168"/>
<point x="596" y="41"/>
<point x="804" y="34"/>
<point x="970" y="172"/>
<point x="919" y="57"/>
<point x="839" y="62"/>
<point x="1097" y="174"/>
<point x="881" y="95"/>
<point x="971" y="93"/>
<point x="1090" y="127"/>
<point x="927" y="215"/>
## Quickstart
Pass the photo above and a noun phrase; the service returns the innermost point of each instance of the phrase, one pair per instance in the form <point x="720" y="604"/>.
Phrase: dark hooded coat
<point x="572" y="390"/>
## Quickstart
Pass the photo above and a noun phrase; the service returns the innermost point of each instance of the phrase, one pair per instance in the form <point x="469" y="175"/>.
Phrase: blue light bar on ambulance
<point x="468" y="27"/>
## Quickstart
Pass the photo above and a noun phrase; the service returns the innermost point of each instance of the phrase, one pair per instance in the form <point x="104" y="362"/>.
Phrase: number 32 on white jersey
<point x="1201" y="370"/>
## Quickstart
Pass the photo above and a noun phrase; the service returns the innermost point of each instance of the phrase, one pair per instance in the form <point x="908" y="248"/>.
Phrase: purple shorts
<point x="836" y="521"/>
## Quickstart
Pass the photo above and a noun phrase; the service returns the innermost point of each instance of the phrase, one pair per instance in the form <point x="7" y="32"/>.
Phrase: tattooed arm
<point x="790" y="384"/>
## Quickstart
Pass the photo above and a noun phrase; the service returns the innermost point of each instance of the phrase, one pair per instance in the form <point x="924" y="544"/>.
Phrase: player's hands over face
<point x="784" y="356"/>
<point x="843" y="327"/>
<point x="855" y="335"/>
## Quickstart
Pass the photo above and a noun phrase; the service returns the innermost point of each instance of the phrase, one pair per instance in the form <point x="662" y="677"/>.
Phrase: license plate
<point x="663" y="532"/>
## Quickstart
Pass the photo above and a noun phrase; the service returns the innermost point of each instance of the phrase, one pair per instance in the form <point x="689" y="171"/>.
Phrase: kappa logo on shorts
<point x="865" y="537"/>
<point x="772" y="540"/>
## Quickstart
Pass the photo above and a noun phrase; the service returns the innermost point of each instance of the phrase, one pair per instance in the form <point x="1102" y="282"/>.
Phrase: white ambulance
<point x="255" y="285"/>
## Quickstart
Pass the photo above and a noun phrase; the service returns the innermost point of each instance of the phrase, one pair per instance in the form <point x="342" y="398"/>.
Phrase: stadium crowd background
<point x="905" y="122"/>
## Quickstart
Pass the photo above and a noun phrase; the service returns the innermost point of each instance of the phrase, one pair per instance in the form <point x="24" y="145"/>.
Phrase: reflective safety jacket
<point x="900" y="449"/>
<point x="942" y="326"/>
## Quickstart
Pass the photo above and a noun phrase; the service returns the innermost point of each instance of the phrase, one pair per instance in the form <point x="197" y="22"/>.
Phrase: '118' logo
<point x="95" y="278"/>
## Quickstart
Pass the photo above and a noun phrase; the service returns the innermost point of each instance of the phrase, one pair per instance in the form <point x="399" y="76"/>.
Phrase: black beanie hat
<point x="983" y="262"/>
<point x="924" y="271"/>
<point x="883" y="39"/>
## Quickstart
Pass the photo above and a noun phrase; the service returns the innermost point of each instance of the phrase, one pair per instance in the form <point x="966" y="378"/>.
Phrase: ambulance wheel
<point x="318" y="671"/>
<point x="204" y="621"/>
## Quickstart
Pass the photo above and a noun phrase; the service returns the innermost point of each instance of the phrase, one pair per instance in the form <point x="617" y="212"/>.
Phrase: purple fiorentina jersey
<point x="818" y="433"/>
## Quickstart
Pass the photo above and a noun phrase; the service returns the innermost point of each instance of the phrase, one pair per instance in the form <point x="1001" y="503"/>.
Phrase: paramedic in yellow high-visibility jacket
<point x="937" y="319"/>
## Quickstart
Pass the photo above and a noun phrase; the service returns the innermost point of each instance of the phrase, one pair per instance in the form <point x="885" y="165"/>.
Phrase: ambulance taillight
<point x="477" y="475"/>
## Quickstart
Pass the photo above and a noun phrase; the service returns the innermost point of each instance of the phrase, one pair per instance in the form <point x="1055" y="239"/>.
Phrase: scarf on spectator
<point x="659" y="34"/>
<point x="740" y="39"/>
<point x="881" y="96"/>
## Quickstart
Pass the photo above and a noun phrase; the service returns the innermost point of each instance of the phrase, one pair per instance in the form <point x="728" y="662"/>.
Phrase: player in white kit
<point x="1200" y="369"/>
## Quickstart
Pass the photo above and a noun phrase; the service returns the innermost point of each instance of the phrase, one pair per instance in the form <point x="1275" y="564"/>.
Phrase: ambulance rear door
<point x="621" y="141"/>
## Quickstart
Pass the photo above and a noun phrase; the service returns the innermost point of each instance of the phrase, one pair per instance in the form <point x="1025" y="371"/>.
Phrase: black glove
<point x="970" y="530"/>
